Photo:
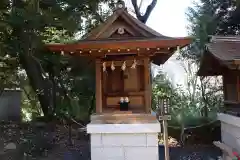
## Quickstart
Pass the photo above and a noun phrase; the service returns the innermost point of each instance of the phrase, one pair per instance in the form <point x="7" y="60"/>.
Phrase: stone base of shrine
<point x="128" y="139"/>
<point x="230" y="130"/>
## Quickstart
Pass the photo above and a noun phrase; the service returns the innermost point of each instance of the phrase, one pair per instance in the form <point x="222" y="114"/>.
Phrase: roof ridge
<point x="225" y="39"/>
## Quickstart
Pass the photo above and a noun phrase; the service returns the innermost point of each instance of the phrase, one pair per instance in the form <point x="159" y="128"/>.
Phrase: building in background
<point x="222" y="57"/>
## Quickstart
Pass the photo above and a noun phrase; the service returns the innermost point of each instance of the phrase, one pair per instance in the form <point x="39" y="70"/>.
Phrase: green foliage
<point x="161" y="88"/>
<point x="53" y="85"/>
<point x="206" y="18"/>
<point x="187" y="107"/>
<point x="50" y="88"/>
<point x="210" y="17"/>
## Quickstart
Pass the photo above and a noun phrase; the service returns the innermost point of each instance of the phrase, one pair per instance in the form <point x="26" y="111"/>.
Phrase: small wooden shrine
<point x="222" y="58"/>
<point x="123" y="49"/>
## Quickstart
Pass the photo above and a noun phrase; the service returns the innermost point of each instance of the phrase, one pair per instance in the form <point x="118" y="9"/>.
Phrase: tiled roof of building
<point x="225" y="48"/>
<point x="221" y="53"/>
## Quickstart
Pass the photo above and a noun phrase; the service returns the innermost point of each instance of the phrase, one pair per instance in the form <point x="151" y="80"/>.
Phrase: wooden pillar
<point x="98" y="93"/>
<point x="238" y="90"/>
<point x="147" y="85"/>
<point x="224" y="87"/>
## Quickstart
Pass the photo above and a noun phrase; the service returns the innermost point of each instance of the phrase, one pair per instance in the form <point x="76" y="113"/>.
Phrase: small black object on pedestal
<point x="123" y="106"/>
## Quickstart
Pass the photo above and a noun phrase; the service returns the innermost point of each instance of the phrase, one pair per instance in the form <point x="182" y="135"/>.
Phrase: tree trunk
<point x="32" y="67"/>
<point x="143" y="18"/>
<point x="205" y="108"/>
<point x="182" y="134"/>
<point x="37" y="82"/>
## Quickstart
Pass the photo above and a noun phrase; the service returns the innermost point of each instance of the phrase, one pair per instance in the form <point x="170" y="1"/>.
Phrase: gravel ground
<point x="176" y="153"/>
<point x="200" y="152"/>
<point x="52" y="144"/>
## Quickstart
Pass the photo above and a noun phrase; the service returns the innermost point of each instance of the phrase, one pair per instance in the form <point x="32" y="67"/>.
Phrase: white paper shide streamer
<point x="124" y="66"/>
<point x="134" y="64"/>
<point x="104" y="66"/>
<point x="112" y="66"/>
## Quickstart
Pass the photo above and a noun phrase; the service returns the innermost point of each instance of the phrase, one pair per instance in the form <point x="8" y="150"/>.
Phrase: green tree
<point x="210" y="17"/>
<point x="27" y="25"/>
<point x="206" y="18"/>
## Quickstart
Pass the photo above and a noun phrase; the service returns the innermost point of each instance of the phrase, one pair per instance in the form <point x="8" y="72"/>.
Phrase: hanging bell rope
<point x="112" y="66"/>
<point x="124" y="66"/>
<point x="134" y="64"/>
<point x="104" y="66"/>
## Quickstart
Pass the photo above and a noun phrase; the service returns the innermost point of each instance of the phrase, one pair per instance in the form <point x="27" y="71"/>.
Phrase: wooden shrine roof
<point x="221" y="53"/>
<point x="121" y="18"/>
<point x="122" y="33"/>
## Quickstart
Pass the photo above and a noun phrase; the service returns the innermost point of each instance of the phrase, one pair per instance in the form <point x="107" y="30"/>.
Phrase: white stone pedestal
<point x="134" y="141"/>
<point x="230" y="130"/>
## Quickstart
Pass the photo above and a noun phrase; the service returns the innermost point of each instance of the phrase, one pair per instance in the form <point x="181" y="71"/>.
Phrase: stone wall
<point x="129" y="146"/>
<point x="124" y="136"/>
<point x="10" y="105"/>
<point x="231" y="135"/>
<point x="230" y="128"/>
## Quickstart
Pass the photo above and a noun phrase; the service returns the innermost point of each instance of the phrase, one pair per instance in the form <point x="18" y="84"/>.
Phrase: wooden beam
<point x="106" y="53"/>
<point x="98" y="86"/>
<point x="236" y="61"/>
<point x="225" y="94"/>
<point x="147" y="85"/>
<point x="122" y="58"/>
<point x="119" y="63"/>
